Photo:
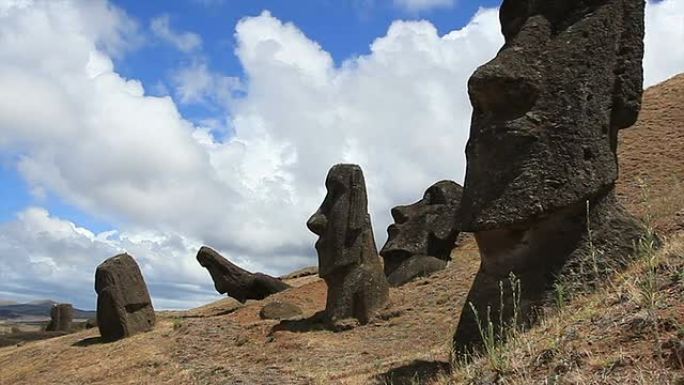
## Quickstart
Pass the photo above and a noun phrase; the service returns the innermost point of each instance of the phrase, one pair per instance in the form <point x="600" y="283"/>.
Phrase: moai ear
<point x="357" y="200"/>
<point x="628" y="87"/>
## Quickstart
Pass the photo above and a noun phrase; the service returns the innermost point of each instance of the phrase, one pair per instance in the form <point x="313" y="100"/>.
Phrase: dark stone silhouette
<point x="61" y="318"/>
<point x="542" y="153"/>
<point x="423" y="234"/>
<point x="347" y="257"/>
<point x="235" y="281"/>
<point x="280" y="310"/>
<point x="124" y="306"/>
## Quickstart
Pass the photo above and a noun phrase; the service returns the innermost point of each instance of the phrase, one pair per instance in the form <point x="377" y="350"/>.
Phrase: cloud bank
<point x="99" y="142"/>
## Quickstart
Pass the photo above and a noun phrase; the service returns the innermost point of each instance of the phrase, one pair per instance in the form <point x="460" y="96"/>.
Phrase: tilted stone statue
<point x="61" y="317"/>
<point x="423" y="234"/>
<point x="544" y="132"/>
<point x="124" y="306"/>
<point x="347" y="256"/>
<point x="235" y="281"/>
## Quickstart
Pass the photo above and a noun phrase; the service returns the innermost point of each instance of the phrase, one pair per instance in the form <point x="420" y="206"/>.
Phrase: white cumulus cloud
<point x="664" y="56"/>
<point x="183" y="41"/>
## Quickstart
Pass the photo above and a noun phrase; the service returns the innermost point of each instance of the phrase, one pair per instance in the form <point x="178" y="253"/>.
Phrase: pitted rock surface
<point x="235" y="281"/>
<point x="348" y="259"/>
<point x="423" y="234"/>
<point x="542" y="161"/>
<point x="61" y="318"/>
<point x="124" y="307"/>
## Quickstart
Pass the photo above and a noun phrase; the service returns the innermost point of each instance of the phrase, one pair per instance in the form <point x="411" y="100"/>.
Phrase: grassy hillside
<point x="630" y="332"/>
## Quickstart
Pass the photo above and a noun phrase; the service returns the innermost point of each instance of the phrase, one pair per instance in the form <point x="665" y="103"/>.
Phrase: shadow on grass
<point x="91" y="341"/>
<point x="417" y="372"/>
<point x="314" y="323"/>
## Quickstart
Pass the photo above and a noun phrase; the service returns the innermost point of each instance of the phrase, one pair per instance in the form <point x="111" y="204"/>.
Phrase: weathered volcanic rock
<point x="235" y="281"/>
<point x="415" y="267"/>
<point x="124" y="306"/>
<point x="61" y="317"/>
<point x="423" y="234"/>
<point x="542" y="153"/>
<point x="279" y="310"/>
<point x="347" y="256"/>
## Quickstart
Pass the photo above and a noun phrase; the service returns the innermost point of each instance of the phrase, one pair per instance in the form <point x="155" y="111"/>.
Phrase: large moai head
<point x="341" y="220"/>
<point x="348" y="259"/>
<point x="124" y="307"/>
<point x="542" y="161"/>
<point x="548" y="108"/>
<point x="423" y="229"/>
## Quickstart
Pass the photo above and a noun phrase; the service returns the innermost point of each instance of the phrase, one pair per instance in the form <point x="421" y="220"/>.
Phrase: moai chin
<point x="423" y="234"/>
<point x="347" y="257"/>
<point x="542" y="152"/>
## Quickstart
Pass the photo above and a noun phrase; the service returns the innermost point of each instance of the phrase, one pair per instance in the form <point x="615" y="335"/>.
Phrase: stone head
<point x="425" y="227"/>
<point x="341" y="219"/>
<point x="547" y="109"/>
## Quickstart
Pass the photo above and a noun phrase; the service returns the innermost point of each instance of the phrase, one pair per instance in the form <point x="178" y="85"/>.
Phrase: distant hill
<point x="4" y="302"/>
<point x="34" y="310"/>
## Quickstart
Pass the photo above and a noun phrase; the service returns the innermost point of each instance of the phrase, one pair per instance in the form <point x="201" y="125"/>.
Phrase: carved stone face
<point x="341" y="219"/>
<point x="548" y="108"/>
<point x="425" y="227"/>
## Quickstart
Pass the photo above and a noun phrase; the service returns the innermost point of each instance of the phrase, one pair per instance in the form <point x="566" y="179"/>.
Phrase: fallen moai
<point x="347" y="256"/>
<point x="423" y="234"/>
<point x="542" y="161"/>
<point x="237" y="282"/>
<point x="124" y="306"/>
<point x="61" y="318"/>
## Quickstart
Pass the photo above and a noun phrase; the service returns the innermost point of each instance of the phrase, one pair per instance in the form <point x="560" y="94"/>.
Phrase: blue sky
<point x="155" y="127"/>
<point x="344" y="28"/>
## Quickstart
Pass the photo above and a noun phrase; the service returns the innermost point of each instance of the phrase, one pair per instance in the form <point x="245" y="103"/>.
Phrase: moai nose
<point x="498" y="89"/>
<point x="317" y="223"/>
<point x="399" y="214"/>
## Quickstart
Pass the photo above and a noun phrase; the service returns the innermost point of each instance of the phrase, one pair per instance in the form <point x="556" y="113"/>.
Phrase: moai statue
<point x="237" y="282"/>
<point x="61" y="317"/>
<point x="124" y="306"/>
<point x="347" y="257"/>
<point x="423" y="234"/>
<point x="542" y="161"/>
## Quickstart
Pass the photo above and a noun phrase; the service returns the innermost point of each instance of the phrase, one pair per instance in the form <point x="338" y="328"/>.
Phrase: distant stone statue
<point x="347" y="256"/>
<point x="61" y="317"/>
<point x="423" y="234"/>
<point x="237" y="282"/>
<point x="543" y="139"/>
<point x="124" y="306"/>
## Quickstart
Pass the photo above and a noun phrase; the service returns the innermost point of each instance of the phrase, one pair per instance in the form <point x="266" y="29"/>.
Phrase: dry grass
<point x="614" y="336"/>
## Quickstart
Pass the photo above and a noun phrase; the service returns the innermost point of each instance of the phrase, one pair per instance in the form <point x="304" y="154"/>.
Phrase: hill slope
<point x="40" y="310"/>
<point x="225" y="343"/>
